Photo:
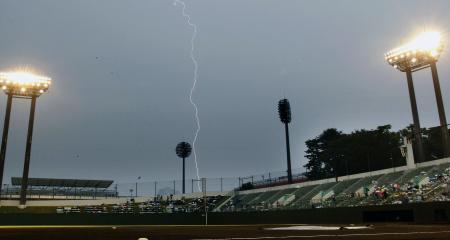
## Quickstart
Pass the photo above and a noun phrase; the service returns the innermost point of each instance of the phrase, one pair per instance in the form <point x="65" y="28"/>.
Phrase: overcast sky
<point x="121" y="75"/>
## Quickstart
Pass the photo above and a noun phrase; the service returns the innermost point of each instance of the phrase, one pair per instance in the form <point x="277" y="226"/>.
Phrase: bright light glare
<point x="24" y="78"/>
<point x="23" y="83"/>
<point x="418" y="53"/>
<point x="426" y="41"/>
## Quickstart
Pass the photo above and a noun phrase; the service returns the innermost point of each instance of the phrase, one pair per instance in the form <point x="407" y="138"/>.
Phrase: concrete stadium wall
<point x="423" y="213"/>
<point x="437" y="212"/>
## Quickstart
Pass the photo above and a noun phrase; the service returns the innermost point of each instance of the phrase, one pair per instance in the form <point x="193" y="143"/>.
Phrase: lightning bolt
<point x="194" y="61"/>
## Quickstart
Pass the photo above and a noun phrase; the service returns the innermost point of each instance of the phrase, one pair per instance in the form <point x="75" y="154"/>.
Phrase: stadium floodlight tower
<point x="25" y="85"/>
<point x="183" y="151"/>
<point x="421" y="53"/>
<point x="284" y="110"/>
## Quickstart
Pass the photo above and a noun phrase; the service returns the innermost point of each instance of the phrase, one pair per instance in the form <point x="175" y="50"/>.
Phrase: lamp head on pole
<point x="24" y="84"/>
<point x="418" y="53"/>
<point x="183" y="149"/>
<point x="284" y="110"/>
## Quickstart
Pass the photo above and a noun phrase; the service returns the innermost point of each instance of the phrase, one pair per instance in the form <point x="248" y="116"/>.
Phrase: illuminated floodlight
<point x="21" y="84"/>
<point x="24" y="84"/>
<point x="417" y="54"/>
<point x="421" y="53"/>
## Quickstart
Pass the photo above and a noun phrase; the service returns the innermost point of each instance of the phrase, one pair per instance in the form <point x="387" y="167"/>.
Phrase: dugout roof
<point x="69" y="183"/>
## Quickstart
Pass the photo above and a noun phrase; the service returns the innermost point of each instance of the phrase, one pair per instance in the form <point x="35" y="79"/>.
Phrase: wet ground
<point x="248" y="232"/>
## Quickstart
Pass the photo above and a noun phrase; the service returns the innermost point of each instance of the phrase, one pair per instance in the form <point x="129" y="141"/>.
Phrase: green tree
<point x="322" y="154"/>
<point x="334" y="153"/>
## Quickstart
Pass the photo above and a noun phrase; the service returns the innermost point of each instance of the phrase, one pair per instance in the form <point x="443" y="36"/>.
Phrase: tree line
<point x="334" y="153"/>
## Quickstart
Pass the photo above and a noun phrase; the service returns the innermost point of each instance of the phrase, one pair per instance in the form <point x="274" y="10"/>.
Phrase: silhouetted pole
<point x="284" y="110"/>
<point x="416" y="123"/>
<point x="5" y="138"/>
<point x="441" y="110"/>
<point x="26" y="167"/>
<point x="184" y="176"/>
<point x="183" y="151"/>
<point x="288" y="153"/>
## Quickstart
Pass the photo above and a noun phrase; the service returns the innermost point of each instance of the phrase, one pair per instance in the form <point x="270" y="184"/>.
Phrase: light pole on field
<point x="422" y="52"/>
<point x="24" y="85"/>
<point x="284" y="111"/>
<point x="183" y="150"/>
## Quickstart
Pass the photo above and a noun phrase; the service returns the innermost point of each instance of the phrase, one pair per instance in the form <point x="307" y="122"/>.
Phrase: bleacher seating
<point x="278" y="195"/>
<point x="157" y="205"/>
<point x="96" y="209"/>
<point x="428" y="183"/>
<point x="425" y="184"/>
<point x="68" y="210"/>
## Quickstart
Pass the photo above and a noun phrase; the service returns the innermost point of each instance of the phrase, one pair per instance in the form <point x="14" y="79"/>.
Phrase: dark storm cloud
<point x="122" y="74"/>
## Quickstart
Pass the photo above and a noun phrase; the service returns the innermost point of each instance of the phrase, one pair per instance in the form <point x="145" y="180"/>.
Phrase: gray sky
<point x="122" y="74"/>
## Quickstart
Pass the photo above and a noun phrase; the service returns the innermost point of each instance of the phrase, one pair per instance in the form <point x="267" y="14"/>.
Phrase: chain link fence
<point x="175" y="187"/>
<point x="156" y="188"/>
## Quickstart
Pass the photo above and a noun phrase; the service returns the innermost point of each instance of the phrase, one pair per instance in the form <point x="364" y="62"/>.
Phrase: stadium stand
<point x="427" y="182"/>
<point x="52" y="188"/>
<point x="422" y="184"/>
<point x="156" y="205"/>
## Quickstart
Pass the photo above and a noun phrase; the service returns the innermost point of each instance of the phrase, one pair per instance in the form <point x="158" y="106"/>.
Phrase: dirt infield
<point x="248" y="232"/>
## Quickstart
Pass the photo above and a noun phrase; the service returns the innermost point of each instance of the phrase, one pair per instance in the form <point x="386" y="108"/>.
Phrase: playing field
<point x="385" y="232"/>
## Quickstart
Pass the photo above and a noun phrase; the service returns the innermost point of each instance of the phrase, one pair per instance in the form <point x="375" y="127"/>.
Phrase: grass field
<point x="247" y="232"/>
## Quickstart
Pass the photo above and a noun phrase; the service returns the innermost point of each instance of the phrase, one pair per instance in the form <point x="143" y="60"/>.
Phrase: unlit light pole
<point x="183" y="150"/>
<point x="284" y="111"/>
